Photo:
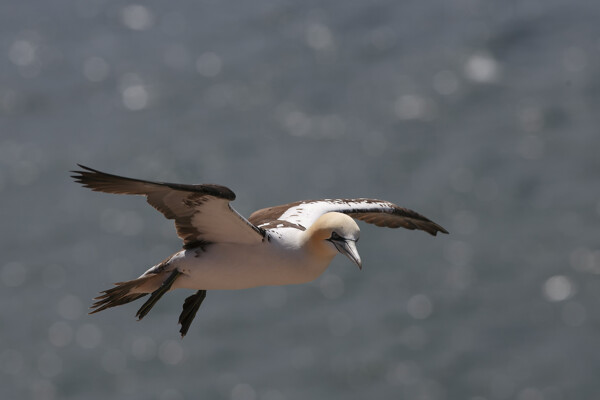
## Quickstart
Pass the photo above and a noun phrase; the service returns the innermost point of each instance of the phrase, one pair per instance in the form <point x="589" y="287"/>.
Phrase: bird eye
<point x="335" y="236"/>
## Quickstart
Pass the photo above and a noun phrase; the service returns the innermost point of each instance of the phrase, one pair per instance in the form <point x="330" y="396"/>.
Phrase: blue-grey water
<point x="482" y="115"/>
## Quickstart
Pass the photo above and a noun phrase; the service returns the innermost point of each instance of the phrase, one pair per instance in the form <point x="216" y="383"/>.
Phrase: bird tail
<point x="126" y="292"/>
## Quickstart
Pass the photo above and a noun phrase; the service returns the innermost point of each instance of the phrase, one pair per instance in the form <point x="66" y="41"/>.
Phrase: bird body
<point x="230" y="266"/>
<point x="281" y="245"/>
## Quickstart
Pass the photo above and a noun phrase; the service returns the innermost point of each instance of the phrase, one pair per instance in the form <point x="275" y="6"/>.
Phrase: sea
<point x="482" y="115"/>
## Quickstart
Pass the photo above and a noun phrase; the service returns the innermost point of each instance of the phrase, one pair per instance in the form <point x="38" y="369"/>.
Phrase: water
<point x="481" y="115"/>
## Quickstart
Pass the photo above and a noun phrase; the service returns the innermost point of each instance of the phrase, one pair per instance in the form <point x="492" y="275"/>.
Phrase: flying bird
<point x="287" y="244"/>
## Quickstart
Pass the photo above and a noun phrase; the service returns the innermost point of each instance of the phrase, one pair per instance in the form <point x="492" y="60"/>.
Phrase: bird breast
<point x="223" y="266"/>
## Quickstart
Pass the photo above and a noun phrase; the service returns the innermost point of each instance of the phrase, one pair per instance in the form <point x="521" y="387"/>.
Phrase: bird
<point x="287" y="244"/>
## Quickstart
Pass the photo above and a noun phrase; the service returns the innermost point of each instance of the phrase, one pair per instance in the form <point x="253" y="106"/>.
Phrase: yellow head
<point x="335" y="232"/>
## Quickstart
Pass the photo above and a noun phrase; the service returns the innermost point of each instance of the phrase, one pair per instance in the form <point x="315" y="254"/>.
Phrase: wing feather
<point x="302" y="214"/>
<point x="202" y="213"/>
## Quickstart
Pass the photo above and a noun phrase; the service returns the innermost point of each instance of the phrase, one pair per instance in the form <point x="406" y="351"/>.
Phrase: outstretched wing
<point x="303" y="214"/>
<point x="202" y="213"/>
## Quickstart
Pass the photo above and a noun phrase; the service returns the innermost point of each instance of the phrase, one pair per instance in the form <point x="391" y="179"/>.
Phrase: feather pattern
<point x="202" y="213"/>
<point x="302" y="214"/>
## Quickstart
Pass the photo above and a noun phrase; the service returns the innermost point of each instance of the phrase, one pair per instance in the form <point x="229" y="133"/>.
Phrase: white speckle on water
<point x="209" y="64"/>
<point x="558" y="288"/>
<point x="95" y="69"/>
<point x="22" y="52"/>
<point x="419" y="306"/>
<point x="319" y="37"/>
<point x="137" y="17"/>
<point x="482" y="68"/>
<point x="243" y="391"/>
<point x="135" y="97"/>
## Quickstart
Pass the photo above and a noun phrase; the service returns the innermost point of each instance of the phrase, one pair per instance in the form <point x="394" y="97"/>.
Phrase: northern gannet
<point x="288" y="244"/>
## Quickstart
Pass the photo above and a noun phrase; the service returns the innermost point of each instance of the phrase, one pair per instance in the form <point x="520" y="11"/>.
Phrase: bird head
<point x="336" y="232"/>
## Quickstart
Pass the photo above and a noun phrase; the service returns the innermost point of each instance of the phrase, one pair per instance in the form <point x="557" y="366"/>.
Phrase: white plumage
<point x="281" y="245"/>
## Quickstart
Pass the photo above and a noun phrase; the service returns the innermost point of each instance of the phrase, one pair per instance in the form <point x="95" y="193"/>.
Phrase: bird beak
<point x="348" y="248"/>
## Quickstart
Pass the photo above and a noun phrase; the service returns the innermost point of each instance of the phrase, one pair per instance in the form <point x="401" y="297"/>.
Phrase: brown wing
<point x="202" y="213"/>
<point x="397" y="217"/>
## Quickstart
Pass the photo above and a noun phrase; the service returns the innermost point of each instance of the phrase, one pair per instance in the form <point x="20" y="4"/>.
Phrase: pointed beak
<point x="348" y="248"/>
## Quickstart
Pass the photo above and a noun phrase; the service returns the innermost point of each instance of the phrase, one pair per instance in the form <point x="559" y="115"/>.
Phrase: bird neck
<point x="313" y="240"/>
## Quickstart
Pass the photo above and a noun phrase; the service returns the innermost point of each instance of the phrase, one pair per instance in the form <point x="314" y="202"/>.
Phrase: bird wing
<point x="202" y="213"/>
<point x="302" y="214"/>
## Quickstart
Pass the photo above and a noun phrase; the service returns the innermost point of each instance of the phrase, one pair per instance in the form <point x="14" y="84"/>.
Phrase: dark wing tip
<point x="86" y="168"/>
<point x="97" y="180"/>
<point x="420" y="221"/>
<point x="218" y="191"/>
<point x="103" y="182"/>
<point x="394" y="216"/>
<point x="428" y="226"/>
<point x="435" y="229"/>
<point x="81" y="173"/>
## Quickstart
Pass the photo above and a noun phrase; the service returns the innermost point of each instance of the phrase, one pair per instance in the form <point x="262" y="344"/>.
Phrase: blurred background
<point x="482" y="115"/>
